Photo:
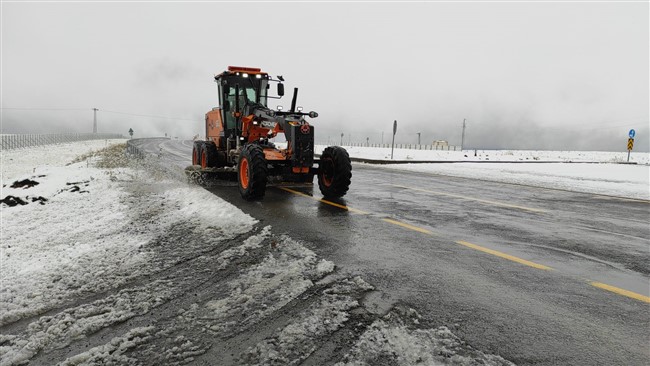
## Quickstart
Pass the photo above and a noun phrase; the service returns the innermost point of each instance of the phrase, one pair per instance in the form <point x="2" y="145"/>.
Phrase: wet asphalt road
<point x="537" y="276"/>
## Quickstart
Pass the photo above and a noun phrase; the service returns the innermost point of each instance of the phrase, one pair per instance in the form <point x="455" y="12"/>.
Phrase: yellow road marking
<point x="472" y="199"/>
<point x="603" y="286"/>
<point x="624" y="199"/>
<point x="411" y="227"/>
<point x="620" y="291"/>
<point x="325" y="201"/>
<point x="504" y="255"/>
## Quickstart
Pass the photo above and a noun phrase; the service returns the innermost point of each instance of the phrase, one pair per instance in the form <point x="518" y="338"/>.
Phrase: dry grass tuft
<point x="110" y="157"/>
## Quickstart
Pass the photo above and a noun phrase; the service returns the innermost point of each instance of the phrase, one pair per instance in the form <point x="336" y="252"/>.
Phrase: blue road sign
<point x="632" y="133"/>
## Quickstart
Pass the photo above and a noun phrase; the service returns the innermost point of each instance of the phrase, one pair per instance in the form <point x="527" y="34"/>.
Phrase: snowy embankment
<point x="82" y="235"/>
<point x="103" y="261"/>
<point x="594" y="172"/>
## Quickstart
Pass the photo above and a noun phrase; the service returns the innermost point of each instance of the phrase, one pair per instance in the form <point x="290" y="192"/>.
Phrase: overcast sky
<point x="563" y="76"/>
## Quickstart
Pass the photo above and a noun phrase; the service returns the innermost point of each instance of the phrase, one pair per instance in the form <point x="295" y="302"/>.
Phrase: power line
<point x="147" y="115"/>
<point x="619" y="126"/>
<point x="101" y="110"/>
<point x="49" y="109"/>
<point x="589" y="128"/>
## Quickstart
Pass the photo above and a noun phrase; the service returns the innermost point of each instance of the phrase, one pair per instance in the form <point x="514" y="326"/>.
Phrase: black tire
<point x="196" y="153"/>
<point x="209" y="152"/>
<point x="203" y="158"/>
<point x="334" y="172"/>
<point x="252" y="171"/>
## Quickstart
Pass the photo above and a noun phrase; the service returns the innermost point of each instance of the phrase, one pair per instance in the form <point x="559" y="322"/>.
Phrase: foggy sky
<point x="560" y="76"/>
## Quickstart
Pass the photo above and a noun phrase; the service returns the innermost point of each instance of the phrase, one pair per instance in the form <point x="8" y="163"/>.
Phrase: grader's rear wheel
<point x="196" y="153"/>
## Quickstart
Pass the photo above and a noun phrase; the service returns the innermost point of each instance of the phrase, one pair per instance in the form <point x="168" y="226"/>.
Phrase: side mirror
<point x="226" y="89"/>
<point x="280" y="89"/>
<point x="226" y="105"/>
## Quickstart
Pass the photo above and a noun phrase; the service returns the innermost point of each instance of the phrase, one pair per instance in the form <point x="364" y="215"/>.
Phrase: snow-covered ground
<point x="602" y="175"/>
<point x="106" y="262"/>
<point x="81" y="237"/>
<point x="494" y="155"/>
<point x="22" y="162"/>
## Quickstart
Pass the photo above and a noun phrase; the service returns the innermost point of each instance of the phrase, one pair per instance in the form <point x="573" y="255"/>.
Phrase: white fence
<point x="8" y="142"/>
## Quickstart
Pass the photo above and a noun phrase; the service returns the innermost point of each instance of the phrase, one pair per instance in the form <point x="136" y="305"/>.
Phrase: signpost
<point x="630" y="143"/>
<point x="393" y="145"/>
<point x="462" y="139"/>
<point x="95" y="120"/>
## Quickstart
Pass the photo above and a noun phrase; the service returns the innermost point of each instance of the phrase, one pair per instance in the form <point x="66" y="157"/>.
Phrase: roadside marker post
<point x="630" y="143"/>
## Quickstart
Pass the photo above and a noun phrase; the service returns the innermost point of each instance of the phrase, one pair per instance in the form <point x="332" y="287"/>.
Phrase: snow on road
<point x="602" y="175"/>
<point x="397" y="338"/>
<point x="117" y="263"/>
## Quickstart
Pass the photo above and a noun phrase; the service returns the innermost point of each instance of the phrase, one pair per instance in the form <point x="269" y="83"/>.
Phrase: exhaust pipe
<point x="293" y="101"/>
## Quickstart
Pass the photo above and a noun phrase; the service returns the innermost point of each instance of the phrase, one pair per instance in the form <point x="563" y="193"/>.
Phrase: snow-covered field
<point x="592" y="171"/>
<point x="80" y="237"/>
<point x="103" y="261"/>
<point x="494" y="155"/>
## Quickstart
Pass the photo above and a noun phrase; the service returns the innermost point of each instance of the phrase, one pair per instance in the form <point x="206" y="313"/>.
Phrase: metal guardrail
<point x="401" y="146"/>
<point x="9" y="142"/>
<point x="133" y="150"/>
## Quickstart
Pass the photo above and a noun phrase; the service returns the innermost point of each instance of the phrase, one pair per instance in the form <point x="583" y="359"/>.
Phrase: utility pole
<point x="382" y="138"/>
<point x="95" y="120"/>
<point x="392" y="146"/>
<point x="462" y="139"/>
<point x="341" y="139"/>
<point x="418" y="138"/>
<point x="367" y="141"/>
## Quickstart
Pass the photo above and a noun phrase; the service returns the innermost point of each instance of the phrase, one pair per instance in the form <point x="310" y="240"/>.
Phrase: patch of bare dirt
<point x="25" y="183"/>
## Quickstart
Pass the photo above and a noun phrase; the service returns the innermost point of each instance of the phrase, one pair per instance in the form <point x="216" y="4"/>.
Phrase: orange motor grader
<point x="238" y="137"/>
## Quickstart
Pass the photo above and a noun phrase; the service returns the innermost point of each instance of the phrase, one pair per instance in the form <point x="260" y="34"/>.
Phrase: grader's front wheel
<point x="334" y="172"/>
<point x="252" y="172"/>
